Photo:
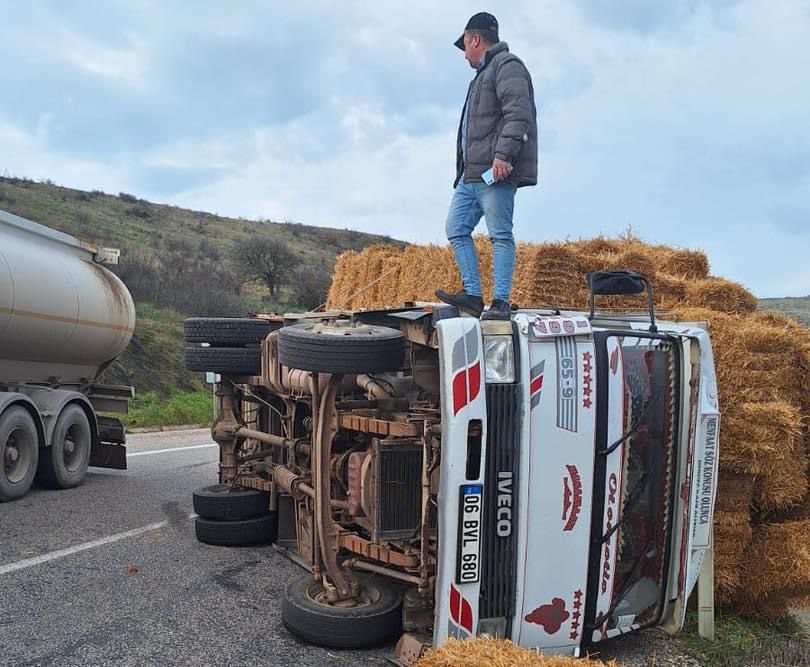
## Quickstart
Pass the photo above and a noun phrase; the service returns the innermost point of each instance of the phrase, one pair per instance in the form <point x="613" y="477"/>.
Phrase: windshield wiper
<point x="635" y="494"/>
<point x="625" y="588"/>
<point x="612" y="448"/>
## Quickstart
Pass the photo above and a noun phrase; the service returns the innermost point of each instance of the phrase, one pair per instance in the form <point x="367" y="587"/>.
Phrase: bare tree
<point x="265" y="259"/>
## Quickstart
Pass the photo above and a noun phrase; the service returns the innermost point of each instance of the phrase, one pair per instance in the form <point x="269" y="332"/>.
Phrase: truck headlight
<point x="499" y="359"/>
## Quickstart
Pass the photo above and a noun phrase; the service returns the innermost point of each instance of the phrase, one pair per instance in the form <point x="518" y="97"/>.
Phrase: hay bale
<point x="688" y="264"/>
<point x="760" y="438"/>
<point x="670" y="292"/>
<point x="785" y="486"/>
<point x="722" y="295"/>
<point x="497" y="653"/>
<point x="730" y="544"/>
<point x="778" y="560"/>
<point x="734" y="495"/>
<point x="343" y="282"/>
<point x="547" y="275"/>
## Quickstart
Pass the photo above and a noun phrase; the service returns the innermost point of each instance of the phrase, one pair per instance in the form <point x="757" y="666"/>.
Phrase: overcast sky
<point x="687" y="120"/>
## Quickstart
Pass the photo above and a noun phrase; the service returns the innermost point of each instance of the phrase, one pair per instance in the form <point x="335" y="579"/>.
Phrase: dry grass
<point x="497" y="653"/>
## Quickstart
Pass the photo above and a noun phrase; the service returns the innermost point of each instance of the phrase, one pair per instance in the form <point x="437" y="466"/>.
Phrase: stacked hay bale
<point x="762" y="522"/>
<point x="497" y="653"/>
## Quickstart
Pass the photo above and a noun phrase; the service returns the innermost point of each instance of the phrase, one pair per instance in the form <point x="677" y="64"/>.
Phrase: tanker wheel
<point x="220" y="502"/>
<point x="19" y="453"/>
<point x="375" y="618"/>
<point x="64" y="464"/>
<point x="225" y="331"/>
<point x="339" y="347"/>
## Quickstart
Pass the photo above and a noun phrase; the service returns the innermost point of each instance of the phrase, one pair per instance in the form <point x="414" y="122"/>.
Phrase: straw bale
<point x="596" y="246"/>
<point x="768" y="610"/>
<point x="689" y="264"/>
<point x="425" y="269"/>
<point x="730" y="544"/>
<point x="723" y="295"/>
<point x="547" y="275"/>
<point x="778" y="559"/>
<point x="783" y="486"/>
<point x="670" y="292"/>
<point x="497" y="653"/>
<point x="734" y="495"/>
<point x="342" y="279"/>
<point x="760" y="438"/>
<point x="775" y="606"/>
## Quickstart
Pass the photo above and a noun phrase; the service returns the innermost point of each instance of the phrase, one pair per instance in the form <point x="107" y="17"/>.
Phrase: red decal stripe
<point x="536" y="385"/>
<point x="475" y="380"/>
<point x="459" y="391"/>
<point x="455" y="603"/>
<point x="466" y="616"/>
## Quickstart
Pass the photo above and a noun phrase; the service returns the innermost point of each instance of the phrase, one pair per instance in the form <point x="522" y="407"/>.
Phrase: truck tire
<point x="64" y="464"/>
<point x="220" y="502"/>
<point x="348" y="350"/>
<point x="19" y="453"/>
<point x="226" y="360"/>
<point x="225" y="331"/>
<point x="372" y="623"/>
<point x="239" y="532"/>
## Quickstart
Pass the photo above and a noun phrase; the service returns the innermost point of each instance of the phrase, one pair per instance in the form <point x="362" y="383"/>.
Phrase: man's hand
<point x="501" y="169"/>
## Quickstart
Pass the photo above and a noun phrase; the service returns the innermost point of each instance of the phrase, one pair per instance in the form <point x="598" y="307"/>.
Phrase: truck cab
<point x="549" y="479"/>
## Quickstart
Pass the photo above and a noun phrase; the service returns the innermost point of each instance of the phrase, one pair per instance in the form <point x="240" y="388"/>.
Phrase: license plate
<point x="469" y="534"/>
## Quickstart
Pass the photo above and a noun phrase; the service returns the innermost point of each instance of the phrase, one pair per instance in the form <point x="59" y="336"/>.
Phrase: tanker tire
<point x="18" y="432"/>
<point x="221" y="503"/>
<point x="239" y="532"/>
<point x="225" y="360"/>
<point x="63" y="465"/>
<point x="299" y="347"/>
<point x="362" y="626"/>
<point x="225" y="331"/>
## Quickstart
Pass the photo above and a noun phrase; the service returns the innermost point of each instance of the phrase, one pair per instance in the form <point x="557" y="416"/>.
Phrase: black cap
<point x="479" y="21"/>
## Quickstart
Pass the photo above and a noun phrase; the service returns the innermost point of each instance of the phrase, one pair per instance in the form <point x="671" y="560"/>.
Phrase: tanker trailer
<point x="63" y="319"/>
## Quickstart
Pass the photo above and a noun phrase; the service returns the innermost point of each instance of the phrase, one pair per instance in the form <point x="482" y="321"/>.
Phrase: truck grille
<point x="399" y="489"/>
<point x="498" y="549"/>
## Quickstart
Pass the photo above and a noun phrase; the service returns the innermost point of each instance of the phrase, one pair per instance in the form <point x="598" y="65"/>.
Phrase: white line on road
<point x="173" y="449"/>
<point x="61" y="553"/>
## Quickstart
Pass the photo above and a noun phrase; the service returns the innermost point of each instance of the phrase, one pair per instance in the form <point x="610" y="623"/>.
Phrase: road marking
<point x="61" y="553"/>
<point x="173" y="449"/>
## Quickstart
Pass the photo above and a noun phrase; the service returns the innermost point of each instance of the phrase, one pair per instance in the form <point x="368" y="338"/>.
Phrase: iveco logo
<point x="504" y="513"/>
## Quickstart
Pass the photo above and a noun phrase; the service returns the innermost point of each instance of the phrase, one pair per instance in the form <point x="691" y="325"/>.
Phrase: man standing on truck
<point x="496" y="153"/>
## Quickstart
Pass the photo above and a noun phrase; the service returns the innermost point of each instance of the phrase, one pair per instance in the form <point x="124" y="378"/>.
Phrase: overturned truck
<point x="548" y="479"/>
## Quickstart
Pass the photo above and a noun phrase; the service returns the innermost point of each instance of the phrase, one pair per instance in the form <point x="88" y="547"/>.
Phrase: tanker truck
<point x="63" y="319"/>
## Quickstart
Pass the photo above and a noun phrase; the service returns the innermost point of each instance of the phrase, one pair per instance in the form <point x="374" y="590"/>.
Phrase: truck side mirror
<point x="620" y="282"/>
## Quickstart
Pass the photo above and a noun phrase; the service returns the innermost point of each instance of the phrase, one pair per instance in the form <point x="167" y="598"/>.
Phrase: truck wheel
<point x="225" y="331"/>
<point x="220" y="502"/>
<point x="376" y="619"/>
<point x="19" y="453"/>
<point x="239" y="532"/>
<point x="334" y="348"/>
<point x="64" y="464"/>
<point x="226" y="360"/>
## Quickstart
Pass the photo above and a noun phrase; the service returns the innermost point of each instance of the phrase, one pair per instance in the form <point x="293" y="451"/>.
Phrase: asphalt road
<point x="110" y="573"/>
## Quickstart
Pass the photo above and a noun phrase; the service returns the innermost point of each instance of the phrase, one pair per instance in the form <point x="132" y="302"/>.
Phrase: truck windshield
<point x="637" y="454"/>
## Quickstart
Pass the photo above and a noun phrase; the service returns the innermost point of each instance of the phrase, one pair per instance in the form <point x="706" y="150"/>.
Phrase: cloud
<point x="684" y="119"/>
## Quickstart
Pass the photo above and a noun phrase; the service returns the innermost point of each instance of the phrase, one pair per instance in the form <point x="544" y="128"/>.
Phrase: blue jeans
<point x="496" y="203"/>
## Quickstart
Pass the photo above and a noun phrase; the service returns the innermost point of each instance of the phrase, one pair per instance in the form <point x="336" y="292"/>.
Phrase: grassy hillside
<point x="178" y="263"/>
<point x="798" y="307"/>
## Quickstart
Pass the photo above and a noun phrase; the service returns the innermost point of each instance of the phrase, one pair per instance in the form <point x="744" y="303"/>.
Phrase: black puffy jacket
<point x="502" y="120"/>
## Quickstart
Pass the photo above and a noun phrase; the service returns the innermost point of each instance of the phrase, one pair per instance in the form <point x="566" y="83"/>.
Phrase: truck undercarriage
<point x="411" y="461"/>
